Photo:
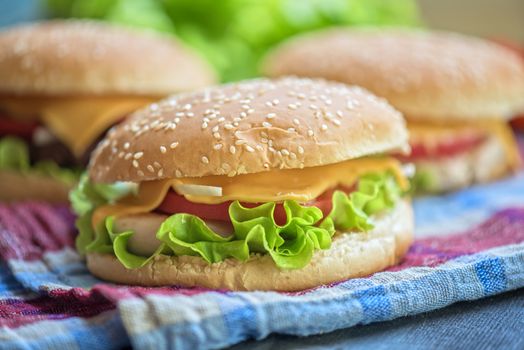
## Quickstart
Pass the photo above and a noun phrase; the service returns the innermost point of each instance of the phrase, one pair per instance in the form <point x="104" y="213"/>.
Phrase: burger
<point x="456" y="92"/>
<point x="64" y="83"/>
<point x="518" y="121"/>
<point x="259" y="185"/>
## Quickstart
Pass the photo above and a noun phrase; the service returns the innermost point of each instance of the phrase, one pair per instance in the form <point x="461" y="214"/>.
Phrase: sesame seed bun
<point x="351" y="255"/>
<point x="87" y="57"/>
<point x="425" y="75"/>
<point x="248" y="127"/>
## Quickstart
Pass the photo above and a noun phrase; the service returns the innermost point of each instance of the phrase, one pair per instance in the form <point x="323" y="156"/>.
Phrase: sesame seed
<point x="121" y="155"/>
<point x="269" y="104"/>
<point x="296" y="121"/>
<point x="226" y="166"/>
<point x="240" y="142"/>
<point x="177" y="120"/>
<point x="324" y="127"/>
<point x="215" y="128"/>
<point x="160" y="172"/>
<point x="301" y="166"/>
<point x="271" y="115"/>
<point x="180" y="114"/>
<point x="292" y="106"/>
<point x="340" y="114"/>
<point x="135" y="163"/>
<point x="187" y="107"/>
<point x="216" y="135"/>
<point x="310" y="132"/>
<point x="232" y="149"/>
<point x="221" y="119"/>
<point x="150" y="168"/>
<point x="250" y="111"/>
<point x="292" y="155"/>
<point x="336" y="122"/>
<point x="173" y="145"/>
<point x="204" y="125"/>
<point x="259" y="147"/>
<point x="126" y="145"/>
<point x="276" y="102"/>
<point x="266" y="165"/>
<point x="205" y="160"/>
<point x="300" y="150"/>
<point x="249" y="148"/>
<point x="243" y="114"/>
<point x="157" y="165"/>
<point x="266" y="125"/>
<point x="140" y="173"/>
<point x="128" y="156"/>
<point x="163" y="149"/>
<point x="217" y="146"/>
<point x="138" y="155"/>
<point x="178" y="173"/>
<point x="235" y="124"/>
<point x="190" y="114"/>
<point x="313" y="107"/>
<point x="263" y="140"/>
<point x="245" y="107"/>
<point x="228" y="126"/>
<point x="285" y="152"/>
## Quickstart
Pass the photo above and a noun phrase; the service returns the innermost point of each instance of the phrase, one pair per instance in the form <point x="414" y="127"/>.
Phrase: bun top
<point x="248" y="127"/>
<point x="426" y="75"/>
<point x="87" y="57"/>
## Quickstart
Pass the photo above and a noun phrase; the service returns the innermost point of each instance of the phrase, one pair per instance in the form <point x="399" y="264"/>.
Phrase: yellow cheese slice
<point x="301" y="185"/>
<point x="431" y="134"/>
<point x="76" y="121"/>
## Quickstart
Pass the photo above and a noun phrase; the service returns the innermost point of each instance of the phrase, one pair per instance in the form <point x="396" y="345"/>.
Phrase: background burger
<point x="64" y="83"/>
<point x="260" y="185"/>
<point x="456" y="92"/>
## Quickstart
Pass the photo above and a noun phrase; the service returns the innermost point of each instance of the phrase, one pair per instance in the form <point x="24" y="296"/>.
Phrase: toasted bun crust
<point x="15" y="186"/>
<point x="425" y="75"/>
<point x="351" y="255"/>
<point x="485" y="163"/>
<point x="88" y="57"/>
<point x="248" y="127"/>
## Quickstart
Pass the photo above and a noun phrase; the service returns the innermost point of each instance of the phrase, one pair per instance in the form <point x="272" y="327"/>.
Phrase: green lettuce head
<point x="290" y="246"/>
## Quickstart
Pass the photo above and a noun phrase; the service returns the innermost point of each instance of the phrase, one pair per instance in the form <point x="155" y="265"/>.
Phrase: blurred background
<point x="234" y="34"/>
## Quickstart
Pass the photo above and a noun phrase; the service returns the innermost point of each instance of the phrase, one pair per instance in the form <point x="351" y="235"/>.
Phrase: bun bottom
<point x="15" y="186"/>
<point x="351" y="255"/>
<point x="485" y="163"/>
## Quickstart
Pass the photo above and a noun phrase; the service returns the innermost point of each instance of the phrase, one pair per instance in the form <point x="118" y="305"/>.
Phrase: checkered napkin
<point x="469" y="245"/>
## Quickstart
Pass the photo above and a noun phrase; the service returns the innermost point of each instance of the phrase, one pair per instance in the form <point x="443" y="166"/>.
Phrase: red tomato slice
<point x="175" y="203"/>
<point x="445" y="148"/>
<point x="518" y="122"/>
<point x="10" y="127"/>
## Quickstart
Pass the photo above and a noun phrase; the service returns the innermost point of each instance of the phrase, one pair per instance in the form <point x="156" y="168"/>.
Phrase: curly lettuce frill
<point x="14" y="155"/>
<point x="291" y="246"/>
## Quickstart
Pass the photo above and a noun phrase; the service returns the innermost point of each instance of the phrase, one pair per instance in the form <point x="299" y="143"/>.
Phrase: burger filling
<point x="446" y="152"/>
<point x="47" y="135"/>
<point x="286" y="214"/>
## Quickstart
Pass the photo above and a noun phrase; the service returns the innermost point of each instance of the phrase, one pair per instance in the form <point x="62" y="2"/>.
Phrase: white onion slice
<point x="198" y="190"/>
<point x="409" y="169"/>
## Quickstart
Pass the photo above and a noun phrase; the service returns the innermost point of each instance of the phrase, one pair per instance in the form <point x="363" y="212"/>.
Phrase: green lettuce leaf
<point x="291" y="245"/>
<point x="14" y="155"/>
